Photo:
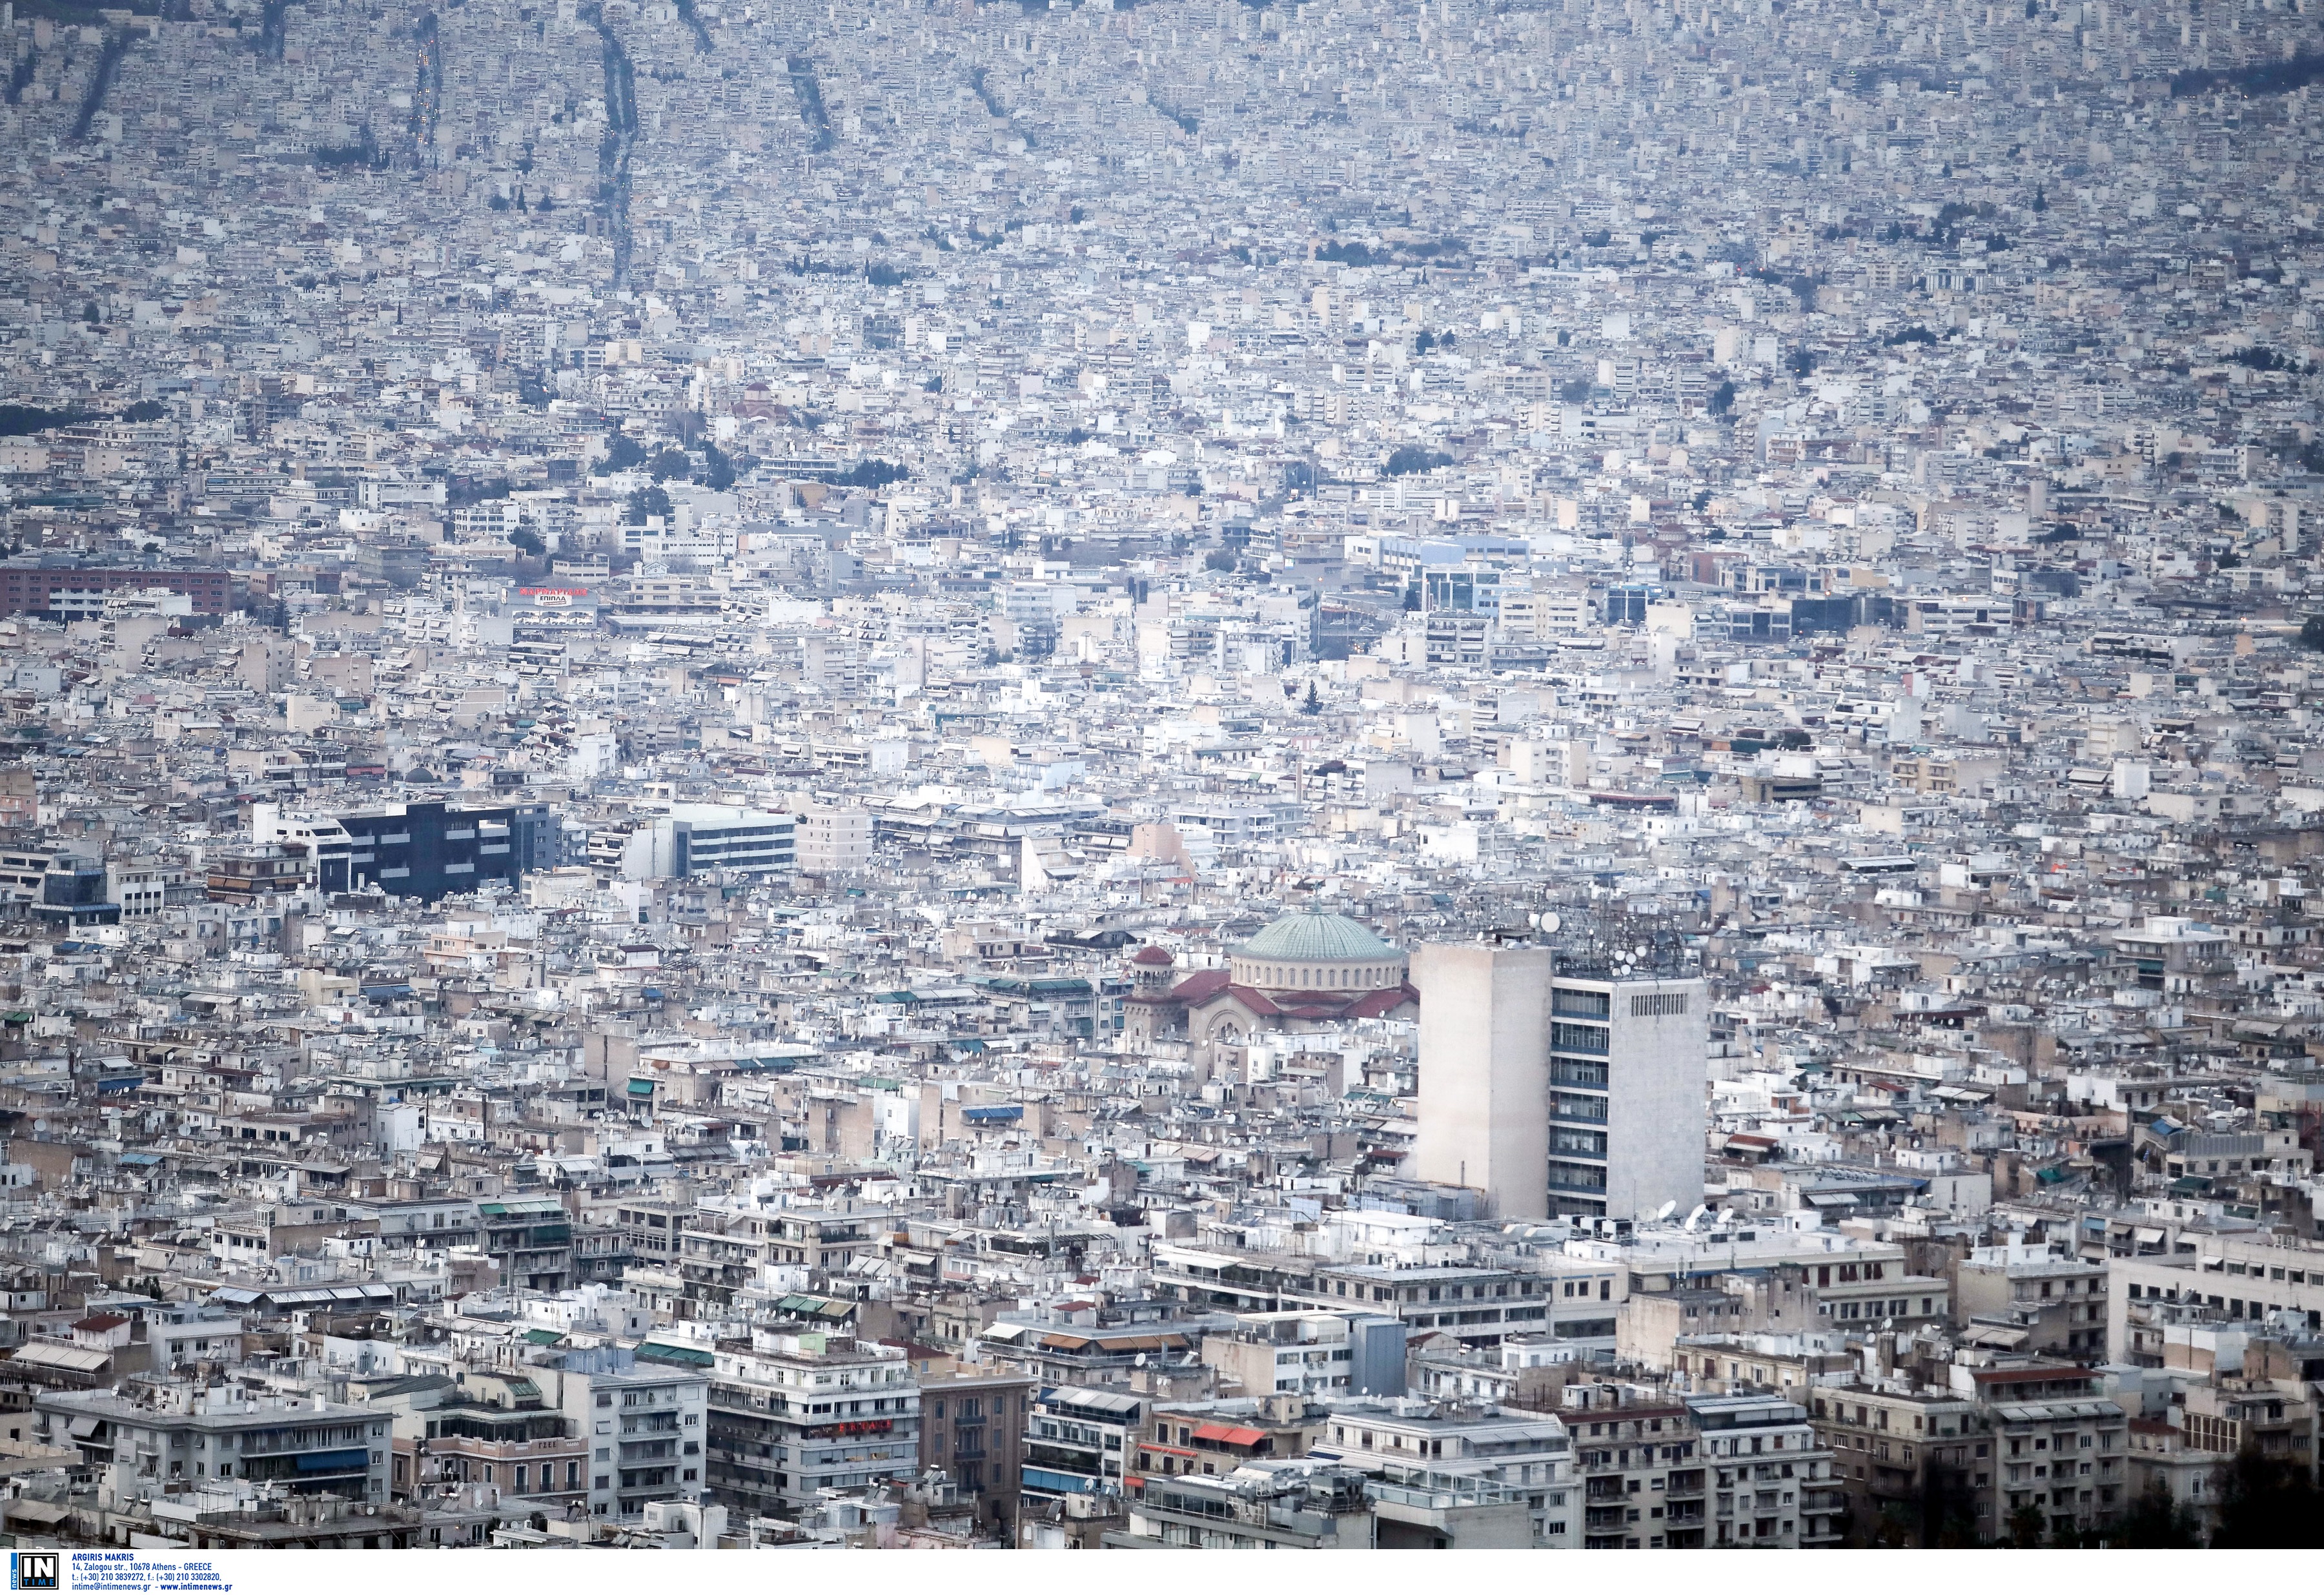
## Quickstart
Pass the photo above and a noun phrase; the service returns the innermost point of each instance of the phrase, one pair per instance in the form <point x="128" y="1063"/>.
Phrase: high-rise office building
<point x="1560" y="1090"/>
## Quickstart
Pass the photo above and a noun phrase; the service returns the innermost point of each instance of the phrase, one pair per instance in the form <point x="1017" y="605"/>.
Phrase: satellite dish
<point x="1534" y="920"/>
<point x="1662" y="1213"/>
<point x="1549" y="924"/>
<point x="1639" y="953"/>
<point x="1695" y="1217"/>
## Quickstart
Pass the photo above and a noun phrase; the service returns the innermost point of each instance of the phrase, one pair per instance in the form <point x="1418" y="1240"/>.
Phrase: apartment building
<point x="1639" y="1464"/>
<point x="2024" y="1299"/>
<point x="2061" y="1448"/>
<point x="643" y="1414"/>
<point x="972" y="1427"/>
<point x="833" y="838"/>
<point x="1309" y="1353"/>
<point x="2239" y="1279"/>
<point x="802" y="1411"/>
<point x="1431" y="1446"/>
<point x="1774" y="1483"/>
<point x="1078" y="1443"/>
<point x="1306" y="1505"/>
<point x="177" y="1433"/>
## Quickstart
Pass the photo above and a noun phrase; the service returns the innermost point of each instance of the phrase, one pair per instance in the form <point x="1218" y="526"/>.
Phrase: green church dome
<point x="1312" y="934"/>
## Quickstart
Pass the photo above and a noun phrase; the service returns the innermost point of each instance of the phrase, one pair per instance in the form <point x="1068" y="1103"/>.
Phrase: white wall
<point x="1484" y="1072"/>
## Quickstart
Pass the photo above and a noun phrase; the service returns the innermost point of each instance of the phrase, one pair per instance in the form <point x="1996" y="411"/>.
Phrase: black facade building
<point x="428" y="850"/>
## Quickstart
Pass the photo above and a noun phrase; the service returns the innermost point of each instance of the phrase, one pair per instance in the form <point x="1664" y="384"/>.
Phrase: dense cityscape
<point x="1213" y="773"/>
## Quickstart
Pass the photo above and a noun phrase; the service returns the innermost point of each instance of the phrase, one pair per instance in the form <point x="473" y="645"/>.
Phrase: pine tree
<point x="2268" y="1504"/>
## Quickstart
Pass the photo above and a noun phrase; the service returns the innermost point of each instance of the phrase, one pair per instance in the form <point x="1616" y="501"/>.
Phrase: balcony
<point x="1058" y="1482"/>
<point x="1589" y="1040"/>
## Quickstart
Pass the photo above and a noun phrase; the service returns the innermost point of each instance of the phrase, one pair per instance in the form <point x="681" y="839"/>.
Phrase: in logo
<point x="33" y="1569"/>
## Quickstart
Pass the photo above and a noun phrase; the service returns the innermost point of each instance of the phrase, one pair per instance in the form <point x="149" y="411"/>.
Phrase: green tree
<point x="717" y="470"/>
<point x="646" y="503"/>
<point x="622" y="452"/>
<point x="2268" y="1504"/>
<point x="1314" y="704"/>
<point x="2156" y="1522"/>
<point x="1892" y="1527"/>
<point x="2027" y="1526"/>
<point x="2311" y="632"/>
<point x="670" y="466"/>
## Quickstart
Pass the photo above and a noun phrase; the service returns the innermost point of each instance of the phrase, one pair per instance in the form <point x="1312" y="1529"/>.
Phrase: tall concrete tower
<point x="1560" y="1091"/>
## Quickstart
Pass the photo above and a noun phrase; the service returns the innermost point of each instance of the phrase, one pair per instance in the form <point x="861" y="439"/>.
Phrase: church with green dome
<point x="1310" y="970"/>
<point x="1311" y="950"/>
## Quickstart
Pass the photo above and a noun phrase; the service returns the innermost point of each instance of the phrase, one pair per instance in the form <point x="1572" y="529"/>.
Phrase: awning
<point x="688" y="1356"/>
<point x="334" y="1462"/>
<point x="48" y="1513"/>
<point x="1226" y="1434"/>
<point x="75" y="1358"/>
